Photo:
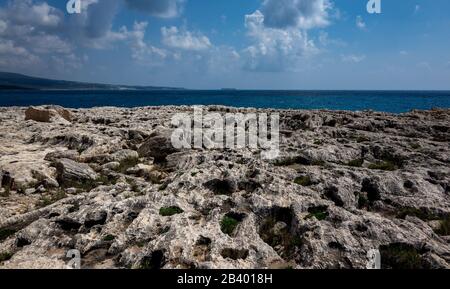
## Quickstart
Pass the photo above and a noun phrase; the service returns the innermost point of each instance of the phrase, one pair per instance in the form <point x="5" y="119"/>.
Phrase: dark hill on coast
<point x="15" y="81"/>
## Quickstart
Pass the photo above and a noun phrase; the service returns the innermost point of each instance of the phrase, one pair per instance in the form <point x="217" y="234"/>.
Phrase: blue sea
<point x="387" y="101"/>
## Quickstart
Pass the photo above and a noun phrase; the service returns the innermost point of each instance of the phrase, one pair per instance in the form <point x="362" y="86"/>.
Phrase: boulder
<point x="71" y="173"/>
<point x="123" y="156"/>
<point x="67" y="154"/>
<point x="47" y="114"/>
<point x="158" y="145"/>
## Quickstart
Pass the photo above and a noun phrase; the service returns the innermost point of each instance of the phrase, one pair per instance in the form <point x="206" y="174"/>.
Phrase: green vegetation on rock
<point x="228" y="225"/>
<point x="303" y="181"/>
<point x="170" y="211"/>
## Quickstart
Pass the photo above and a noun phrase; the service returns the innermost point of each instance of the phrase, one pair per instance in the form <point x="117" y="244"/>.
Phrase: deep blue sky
<point x="262" y="44"/>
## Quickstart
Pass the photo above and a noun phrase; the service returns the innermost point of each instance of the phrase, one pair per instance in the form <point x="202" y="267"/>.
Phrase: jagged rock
<point x="71" y="173"/>
<point x="124" y="156"/>
<point x="66" y="154"/>
<point x="47" y="114"/>
<point x="111" y="166"/>
<point x="176" y="209"/>
<point x="158" y="145"/>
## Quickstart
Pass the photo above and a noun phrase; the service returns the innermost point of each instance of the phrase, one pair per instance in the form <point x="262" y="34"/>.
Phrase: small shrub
<point x="5" y="256"/>
<point x="228" y="225"/>
<point x="444" y="229"/>
<point x="318" y="142"/>
<point x="106" y="180"/>
<point x="303" y="181"/>
<point x="356" y="163"/>
<point x="320" y="213"/>
<point x="135" y="187"/>
<point x="361" y="139"/>
<point x="415" y="146"/>
<point x="170" y="211"/>
<point x="383" y="166"/>
<point x="401" y="256"/>
<point x="141" y="244"/>
<point x="163" y="186"/>
<point x="5" y="233"/>
<point x="362" y="201"/>
<point x="109" y="238"/>
<point x="45" y="201"/>
<point x="422" y="214"/>
<point x="319" y="163"/>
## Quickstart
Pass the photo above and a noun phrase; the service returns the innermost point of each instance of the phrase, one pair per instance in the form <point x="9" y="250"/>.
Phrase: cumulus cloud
<point x="29" y="35"/>
<point x="183" y="39"/>
<point x="275" y="49"/>
<point x="304" y="14"/>
<point x="26" y="12"/>
<point x="15" y="56"/>
<point x="279" y="33"/>
<point x="159" y="8"/>
<point x="142" y="51"/>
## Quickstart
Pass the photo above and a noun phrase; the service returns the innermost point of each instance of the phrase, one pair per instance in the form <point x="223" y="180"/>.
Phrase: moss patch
<point x="383" y="166"/>
<point x="5" y="256"/>
<point x="303" y="181"/>
<point x="109" y="238"/>
<point x="45" y="201"/>
<point x="228" y="225"/>
<point x="170" y="211"/>
<point x="357" y="163"/>
<point x="420" y="213"/>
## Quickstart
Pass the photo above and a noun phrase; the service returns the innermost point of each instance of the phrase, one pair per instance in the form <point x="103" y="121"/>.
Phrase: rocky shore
<point x="107" y="182"/>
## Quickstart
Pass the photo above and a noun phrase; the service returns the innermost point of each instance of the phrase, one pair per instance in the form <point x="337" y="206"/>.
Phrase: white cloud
<point x="275" y="49"/>
<point x="29" y="35"/>
<point x="360" y="22"/>
<point x="416" y="9"/>
<point x="279" y="33"/>
<point x="183" y="39"/>
<point x="353" y="58"/>
<point x="142" y="51"/>
<point x="26" y="12"/>
<point x="304" y="14"/>
<point x="15" y="56"/>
